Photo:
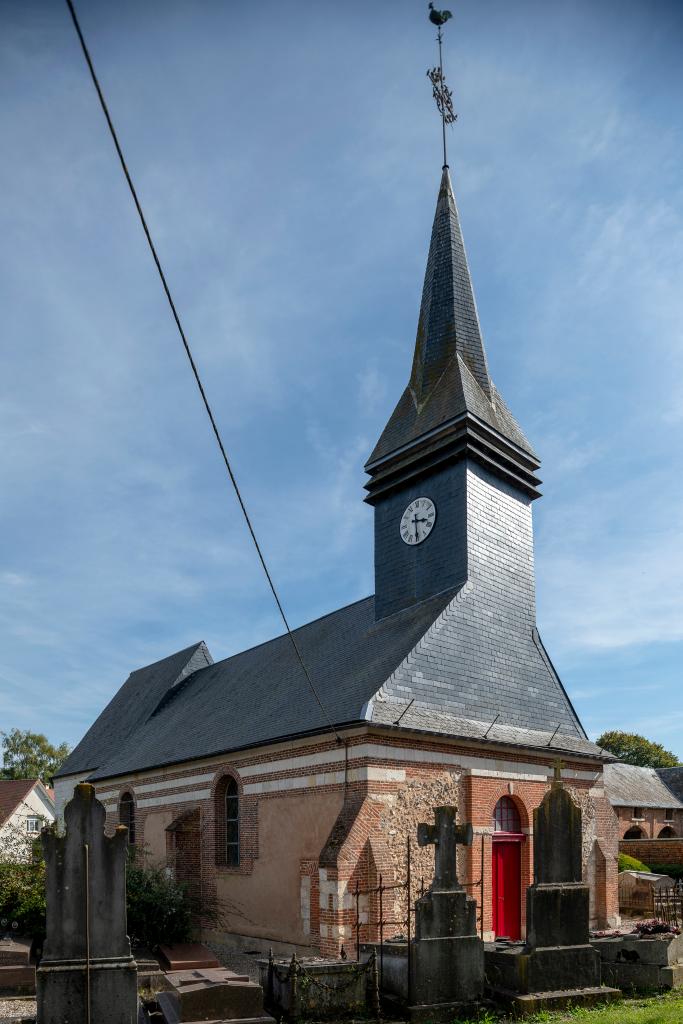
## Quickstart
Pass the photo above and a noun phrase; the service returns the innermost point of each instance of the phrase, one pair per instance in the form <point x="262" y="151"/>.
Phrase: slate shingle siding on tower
<point x="485" y="658"/>
<point x="406" y="574"/>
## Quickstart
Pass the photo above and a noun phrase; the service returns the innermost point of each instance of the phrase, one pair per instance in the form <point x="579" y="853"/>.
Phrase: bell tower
<point x="452" y="476"/>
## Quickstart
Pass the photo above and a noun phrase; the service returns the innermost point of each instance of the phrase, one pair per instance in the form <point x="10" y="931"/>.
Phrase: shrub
<point x="627" y="863"/>
<point x="159" y="909"/>
<point x="22" y="897"/>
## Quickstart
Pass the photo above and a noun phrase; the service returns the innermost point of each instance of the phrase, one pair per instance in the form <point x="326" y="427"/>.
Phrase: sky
<point x="288" y="159"/>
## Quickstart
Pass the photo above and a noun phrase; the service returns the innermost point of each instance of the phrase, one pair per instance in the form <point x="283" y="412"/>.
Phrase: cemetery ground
<point x="659" y="1009"/>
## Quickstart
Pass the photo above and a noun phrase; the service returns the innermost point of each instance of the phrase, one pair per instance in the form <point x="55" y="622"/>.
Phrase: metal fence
<point x="376" y="924"/>
<point x="668" y="905"/>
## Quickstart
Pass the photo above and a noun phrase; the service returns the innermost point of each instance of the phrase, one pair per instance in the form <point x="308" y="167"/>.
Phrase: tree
<point x="29" y="755"/>
<point x="631" y="748"/>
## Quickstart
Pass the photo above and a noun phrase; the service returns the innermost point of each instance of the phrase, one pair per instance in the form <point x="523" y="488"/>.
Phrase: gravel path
<point x="240" y="963"/>
<point x="17" y="1008"/>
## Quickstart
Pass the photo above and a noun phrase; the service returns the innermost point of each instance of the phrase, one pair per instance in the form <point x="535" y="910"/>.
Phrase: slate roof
<point x="186" y="707"/>
<point x="254" y="697"/>
<point x="628" y="785"/>
<point x="673" y="780"/>
<point x="450" y="374"/>
<point x="12" y="792"/>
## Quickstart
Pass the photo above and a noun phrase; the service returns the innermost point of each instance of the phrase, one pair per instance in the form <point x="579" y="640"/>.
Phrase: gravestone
<point x="87" y="973"/>
<point x="186" y="956"/>
<point x="212" y="995"/>
<point x="17" y="973"/>
<point x="556" y="965"/>
<point x="447" y="956"/>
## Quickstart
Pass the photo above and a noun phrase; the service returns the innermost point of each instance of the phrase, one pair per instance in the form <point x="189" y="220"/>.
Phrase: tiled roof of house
<point x="628" y="785"/>
<point x="12" y="792"/>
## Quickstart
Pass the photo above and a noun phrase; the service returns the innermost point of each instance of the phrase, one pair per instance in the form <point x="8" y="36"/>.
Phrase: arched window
<point x="667" y="833"/>
<point x="634" y="833"/>
<point x="506" y="816"/>
<point x="232" y="824"/>
<point x="127" y="815"/>
<point x="228" y="822"/>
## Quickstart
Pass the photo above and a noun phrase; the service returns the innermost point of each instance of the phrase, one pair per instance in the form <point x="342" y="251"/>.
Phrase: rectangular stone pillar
<point x="87" y="974"/>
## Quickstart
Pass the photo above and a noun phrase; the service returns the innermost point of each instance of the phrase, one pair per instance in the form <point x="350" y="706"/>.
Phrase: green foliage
<point x="674" y="871"/>
<point x="22" y="897"/>
<point x="631" y="748"/>
<point x="159" y="909"/>
<point x="627" y="863"/>
<point x="29" y="755"/>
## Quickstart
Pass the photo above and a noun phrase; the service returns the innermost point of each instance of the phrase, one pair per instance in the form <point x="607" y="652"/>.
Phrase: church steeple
<point x="451" y="408"/>
<point x="448" y="322"/>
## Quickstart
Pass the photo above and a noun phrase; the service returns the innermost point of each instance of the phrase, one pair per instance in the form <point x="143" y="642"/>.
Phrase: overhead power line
<point x="193" y="365"/>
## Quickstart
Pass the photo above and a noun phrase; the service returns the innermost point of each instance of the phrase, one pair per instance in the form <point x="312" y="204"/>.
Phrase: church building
<point x="435" y="690"/>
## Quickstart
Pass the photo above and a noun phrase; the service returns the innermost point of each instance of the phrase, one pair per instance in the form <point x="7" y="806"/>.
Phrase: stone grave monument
<point x="212" y="995"/>
<point x="87" y="974"/>
<point x="557" y="964"/>
<point x="447" y="956"/>
<point x="17" y="973"/>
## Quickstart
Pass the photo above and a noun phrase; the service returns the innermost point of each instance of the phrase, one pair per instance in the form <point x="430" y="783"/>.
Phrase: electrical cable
<point x="190" y="357"/>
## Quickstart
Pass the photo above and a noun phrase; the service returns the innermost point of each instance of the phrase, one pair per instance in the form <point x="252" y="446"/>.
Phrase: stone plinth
<point x="17" y="973"/>
<point x="392" y="967"/>
<point x="87" y="971"/>
<point x="630" y="962"/>
<point x="324" y="988"/>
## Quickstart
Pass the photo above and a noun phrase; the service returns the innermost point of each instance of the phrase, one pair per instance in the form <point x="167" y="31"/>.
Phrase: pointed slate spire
<point x="448" y="322"/>
<point x="451" y="408"/>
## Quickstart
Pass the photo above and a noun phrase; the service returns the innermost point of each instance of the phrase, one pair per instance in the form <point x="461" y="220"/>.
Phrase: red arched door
<point x="507" y="870"/>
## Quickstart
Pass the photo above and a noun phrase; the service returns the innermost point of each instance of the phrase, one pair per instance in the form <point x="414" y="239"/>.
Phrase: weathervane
<point x="440" y="91"/>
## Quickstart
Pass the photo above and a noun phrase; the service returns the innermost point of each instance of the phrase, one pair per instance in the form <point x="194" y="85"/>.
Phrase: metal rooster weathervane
<point x="440" y="91"/>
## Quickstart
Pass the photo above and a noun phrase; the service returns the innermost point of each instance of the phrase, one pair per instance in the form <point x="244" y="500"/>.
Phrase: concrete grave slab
<point x="186" y="956"/>
<point x="211" y="994"/>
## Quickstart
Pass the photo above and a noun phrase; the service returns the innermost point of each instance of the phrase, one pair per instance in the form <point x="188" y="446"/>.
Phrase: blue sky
<point x="288" y="159"/>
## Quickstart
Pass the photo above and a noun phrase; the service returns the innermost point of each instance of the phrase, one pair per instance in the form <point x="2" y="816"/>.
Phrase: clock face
<point x="418" y="520"/>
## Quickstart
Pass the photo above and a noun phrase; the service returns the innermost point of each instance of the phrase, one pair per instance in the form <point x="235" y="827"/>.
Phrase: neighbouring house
<point x="436" y="689"/>
<point x="645" y="805"/>
<point x="26" y="805"/>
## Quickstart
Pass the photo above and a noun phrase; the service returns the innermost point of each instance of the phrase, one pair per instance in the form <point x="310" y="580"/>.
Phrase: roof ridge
<point x="175" y="654"/>
<point x="282" y="636"/>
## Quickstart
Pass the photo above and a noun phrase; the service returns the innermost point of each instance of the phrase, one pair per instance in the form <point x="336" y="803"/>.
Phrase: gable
<point x="133" y="703"/>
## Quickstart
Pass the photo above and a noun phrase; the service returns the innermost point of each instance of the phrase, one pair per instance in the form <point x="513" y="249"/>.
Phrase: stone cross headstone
<point x="445" y="835"/>
<point x="87" y="973"/>
<point x="447" y="965"/>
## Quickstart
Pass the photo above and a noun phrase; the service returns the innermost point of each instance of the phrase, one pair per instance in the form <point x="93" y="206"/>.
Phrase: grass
<point x="659" y="1009"/>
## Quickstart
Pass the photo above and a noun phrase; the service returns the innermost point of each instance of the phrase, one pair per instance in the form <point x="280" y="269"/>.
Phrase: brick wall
<point x="651" y="821"/>
<point x="654" y="851"/>
<point x="315" y="820"/>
